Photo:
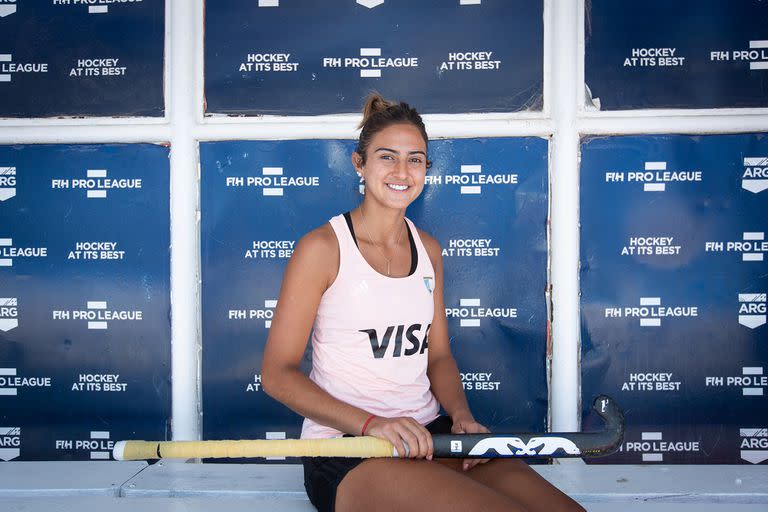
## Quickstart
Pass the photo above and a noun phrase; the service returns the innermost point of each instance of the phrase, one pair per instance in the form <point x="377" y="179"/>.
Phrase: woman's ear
<point x="357" y="162"/>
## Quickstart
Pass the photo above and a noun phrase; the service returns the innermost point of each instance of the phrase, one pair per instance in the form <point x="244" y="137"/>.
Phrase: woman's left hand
<point x="466" y="424"/>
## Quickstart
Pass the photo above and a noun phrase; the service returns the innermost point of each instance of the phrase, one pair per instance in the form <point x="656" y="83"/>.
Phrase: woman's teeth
<point x="397" y="187"/>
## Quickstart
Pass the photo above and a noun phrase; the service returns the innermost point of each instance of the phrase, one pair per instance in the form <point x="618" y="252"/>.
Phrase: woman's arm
<point x="310" y="271"/>
<point x="442" y="370"/>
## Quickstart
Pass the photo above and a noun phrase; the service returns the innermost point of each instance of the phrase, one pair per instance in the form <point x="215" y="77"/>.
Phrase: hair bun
<point x="374" y="104"/>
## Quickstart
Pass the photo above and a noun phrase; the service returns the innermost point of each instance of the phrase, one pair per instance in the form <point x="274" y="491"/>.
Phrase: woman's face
<point x="395" y="166"/>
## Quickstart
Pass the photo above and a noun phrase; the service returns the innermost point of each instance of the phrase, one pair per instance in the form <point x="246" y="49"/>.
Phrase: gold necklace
<point x="376" y="245"/>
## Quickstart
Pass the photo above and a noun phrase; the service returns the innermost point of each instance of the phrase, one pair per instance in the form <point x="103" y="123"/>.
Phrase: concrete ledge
<point x="678" y="484"/>
<point x="119" y="486"/>
<point x="176" y="479"/>
<point x="62" y="478"/>
<point x="105" y="504"/>
<point x="585" y="483"/>
<point x="648" y="506"/>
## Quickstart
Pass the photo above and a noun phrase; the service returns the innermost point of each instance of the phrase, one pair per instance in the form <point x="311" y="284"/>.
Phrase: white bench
<point x="166" y="486"/>
<point x="36" y="479"/>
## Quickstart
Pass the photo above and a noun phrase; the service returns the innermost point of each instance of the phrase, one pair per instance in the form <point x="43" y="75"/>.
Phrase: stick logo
<point x="515" y="446"/>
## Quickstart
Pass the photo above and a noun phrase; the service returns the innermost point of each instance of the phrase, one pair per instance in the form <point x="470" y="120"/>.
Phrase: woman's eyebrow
<point x="415" y="152"/>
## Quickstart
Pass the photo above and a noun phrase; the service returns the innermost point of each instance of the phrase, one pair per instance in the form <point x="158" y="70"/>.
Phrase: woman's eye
<point x="416" y="160"/>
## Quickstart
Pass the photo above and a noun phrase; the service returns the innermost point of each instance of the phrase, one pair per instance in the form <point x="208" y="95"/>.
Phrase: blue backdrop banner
<point x="662" y="54"/>
<point x="84" y="299"/>
<point x="673" y="293"/>
<point x="445" y="56"/>
<point x="81" y="58"/>
<point x="486" y="203"/>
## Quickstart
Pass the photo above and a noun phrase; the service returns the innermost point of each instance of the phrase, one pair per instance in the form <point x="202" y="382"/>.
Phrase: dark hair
<point x="379" y="114"/>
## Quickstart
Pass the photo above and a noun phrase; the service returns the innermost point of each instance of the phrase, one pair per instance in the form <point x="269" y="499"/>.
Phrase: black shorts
<point x="322" y="475"/>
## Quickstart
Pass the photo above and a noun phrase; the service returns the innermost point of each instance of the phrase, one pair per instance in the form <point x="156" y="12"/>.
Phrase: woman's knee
<point x="385" y="484"/>
<point x="519" y="481"/>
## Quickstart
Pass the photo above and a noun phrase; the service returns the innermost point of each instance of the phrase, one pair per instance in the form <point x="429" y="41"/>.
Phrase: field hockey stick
<point x="571" y="444"/>
<point x="550" y="444"/>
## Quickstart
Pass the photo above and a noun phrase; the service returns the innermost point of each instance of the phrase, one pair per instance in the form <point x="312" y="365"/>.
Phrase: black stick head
<point x="607" y="408"/>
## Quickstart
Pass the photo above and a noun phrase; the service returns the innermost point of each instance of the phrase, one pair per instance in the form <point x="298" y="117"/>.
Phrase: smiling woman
<point x="368" y="287"/>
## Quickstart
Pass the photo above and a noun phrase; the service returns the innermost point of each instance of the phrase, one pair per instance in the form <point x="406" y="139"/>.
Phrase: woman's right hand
<point x="401" y="431"/>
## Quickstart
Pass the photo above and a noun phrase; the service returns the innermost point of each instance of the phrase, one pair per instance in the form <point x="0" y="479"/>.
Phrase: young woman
<point x="368" y="286"/>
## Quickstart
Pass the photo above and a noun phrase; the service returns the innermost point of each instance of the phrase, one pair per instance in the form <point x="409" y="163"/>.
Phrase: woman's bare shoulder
<point x="431" y="245"/>
<point x="319" y="239"/>
<point x="317" y="252"/>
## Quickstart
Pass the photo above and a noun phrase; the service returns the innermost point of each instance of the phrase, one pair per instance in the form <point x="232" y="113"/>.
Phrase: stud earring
<point x="361" y="185"/>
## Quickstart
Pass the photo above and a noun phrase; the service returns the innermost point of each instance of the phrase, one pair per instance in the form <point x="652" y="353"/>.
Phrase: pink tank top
<point x="369" y="340"/>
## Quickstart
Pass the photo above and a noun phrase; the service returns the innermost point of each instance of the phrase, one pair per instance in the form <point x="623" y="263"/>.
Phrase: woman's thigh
<point x="419" y="485"/>
<point x="515" y="479"/>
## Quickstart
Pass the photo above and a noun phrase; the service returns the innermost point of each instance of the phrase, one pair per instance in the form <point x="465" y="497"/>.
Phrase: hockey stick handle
<point x="365" y="446"/>
<point x="575" y="444"/>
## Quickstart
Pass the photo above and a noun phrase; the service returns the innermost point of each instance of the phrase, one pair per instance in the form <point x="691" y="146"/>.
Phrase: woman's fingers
<point x="401" y="432"/>
<point x="470" y="463"/>
<point x="401" y="436"/>
<point x="423" y="448"/>
<point x="470" y="427"/>
<point x="414" y="435"/>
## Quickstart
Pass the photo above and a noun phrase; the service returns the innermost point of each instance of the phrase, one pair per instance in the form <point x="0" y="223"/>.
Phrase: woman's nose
<point x="401" y="169"/>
